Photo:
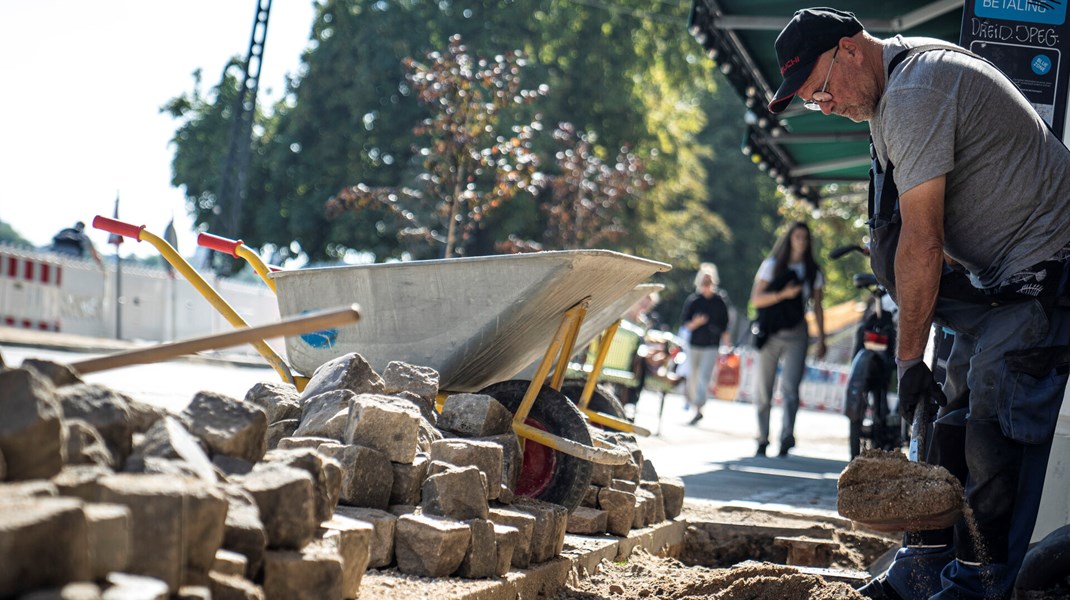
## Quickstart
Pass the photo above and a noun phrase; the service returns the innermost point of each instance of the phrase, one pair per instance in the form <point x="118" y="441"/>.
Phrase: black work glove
<point x="917" y="385"/>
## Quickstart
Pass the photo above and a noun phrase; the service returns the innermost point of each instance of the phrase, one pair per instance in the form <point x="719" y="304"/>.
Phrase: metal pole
<point x="174" y="308"/>
<point x="118" y="295"/>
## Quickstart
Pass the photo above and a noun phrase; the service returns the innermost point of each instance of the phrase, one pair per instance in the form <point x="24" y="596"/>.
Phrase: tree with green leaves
<point x="8" y="235"/>
<point x="626" y="70"/>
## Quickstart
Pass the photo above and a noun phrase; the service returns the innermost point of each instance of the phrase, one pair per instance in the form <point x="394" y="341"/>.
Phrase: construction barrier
<point x="53" y="292"/>
<point x="30" y="296"/>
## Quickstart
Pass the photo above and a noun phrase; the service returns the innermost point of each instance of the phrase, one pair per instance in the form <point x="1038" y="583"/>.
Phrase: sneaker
<point x="695" y="419"/>
<point x="761" y="450"/>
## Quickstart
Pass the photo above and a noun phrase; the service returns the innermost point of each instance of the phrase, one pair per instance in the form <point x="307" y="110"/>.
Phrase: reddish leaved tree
<point x="471" y="166"/>
<point x="588" y="196"/>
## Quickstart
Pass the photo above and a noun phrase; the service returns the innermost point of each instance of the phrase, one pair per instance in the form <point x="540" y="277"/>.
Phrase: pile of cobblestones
<point x="280" y="494"/>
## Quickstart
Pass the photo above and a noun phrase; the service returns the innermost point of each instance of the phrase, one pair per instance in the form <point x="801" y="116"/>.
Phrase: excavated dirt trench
<point x="732" y="553"/>
<point x="737" y="552"/>
<point x="647" y="576"/>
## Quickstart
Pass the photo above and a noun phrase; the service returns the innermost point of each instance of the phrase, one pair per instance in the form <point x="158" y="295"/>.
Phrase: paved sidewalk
<point x="716" y="457"/>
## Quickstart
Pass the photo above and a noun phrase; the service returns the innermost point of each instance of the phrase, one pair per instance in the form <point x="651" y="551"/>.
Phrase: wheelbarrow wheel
<point x="603" y="399"/>
<point x="545" y="473"/>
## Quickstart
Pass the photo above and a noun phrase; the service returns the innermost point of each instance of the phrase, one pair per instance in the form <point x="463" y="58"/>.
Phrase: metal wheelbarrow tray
<point x="476" y="320"/>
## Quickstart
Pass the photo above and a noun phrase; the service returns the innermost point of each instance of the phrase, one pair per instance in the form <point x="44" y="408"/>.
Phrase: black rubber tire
<point x="889" y="436"/>
<point x="603" y="399"/>
<point x="855" y="437"/>
<point x="553" y="410"/>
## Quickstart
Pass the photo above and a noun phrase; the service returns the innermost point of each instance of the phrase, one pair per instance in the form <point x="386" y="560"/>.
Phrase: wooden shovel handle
<point x="287" y="327"/>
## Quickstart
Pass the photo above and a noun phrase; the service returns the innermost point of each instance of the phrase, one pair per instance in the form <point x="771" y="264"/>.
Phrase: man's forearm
<point x="917" y="279"/>
<point x="919" y="260"/>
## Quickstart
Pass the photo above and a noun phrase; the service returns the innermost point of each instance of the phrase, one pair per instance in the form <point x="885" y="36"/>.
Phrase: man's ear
<point x="850" y="50"/>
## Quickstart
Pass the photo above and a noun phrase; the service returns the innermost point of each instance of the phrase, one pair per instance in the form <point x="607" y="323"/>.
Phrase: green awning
<point x="803" y="150"/>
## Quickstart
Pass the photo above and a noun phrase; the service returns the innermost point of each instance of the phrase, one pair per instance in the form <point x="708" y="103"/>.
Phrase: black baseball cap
<point x="810" y="32"/>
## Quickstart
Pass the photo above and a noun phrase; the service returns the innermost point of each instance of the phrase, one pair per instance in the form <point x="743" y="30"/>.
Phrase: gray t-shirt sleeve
<point x="920" y="133"/>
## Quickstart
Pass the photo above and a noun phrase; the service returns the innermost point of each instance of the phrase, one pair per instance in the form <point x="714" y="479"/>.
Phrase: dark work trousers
<point x="998" y="444"/>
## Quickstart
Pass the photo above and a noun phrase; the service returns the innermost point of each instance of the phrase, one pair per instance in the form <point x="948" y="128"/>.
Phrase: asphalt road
<point x="715" y="458"/>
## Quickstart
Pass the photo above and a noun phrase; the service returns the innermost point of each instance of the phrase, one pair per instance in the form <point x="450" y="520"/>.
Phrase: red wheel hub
<point x="537" y="470"/>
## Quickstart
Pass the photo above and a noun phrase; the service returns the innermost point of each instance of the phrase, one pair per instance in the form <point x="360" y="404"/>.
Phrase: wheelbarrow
<point x="604" y="411"/>
<point x="478" y="322"/>
<point x="581" y="385"/>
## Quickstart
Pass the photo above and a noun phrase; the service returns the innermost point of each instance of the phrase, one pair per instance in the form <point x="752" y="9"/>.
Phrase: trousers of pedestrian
<point x="702" y="361"/>
<point x="790" y="346"/>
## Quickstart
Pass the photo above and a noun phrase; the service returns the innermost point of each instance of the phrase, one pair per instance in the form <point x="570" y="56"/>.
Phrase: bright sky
<point x="83" y="82"/>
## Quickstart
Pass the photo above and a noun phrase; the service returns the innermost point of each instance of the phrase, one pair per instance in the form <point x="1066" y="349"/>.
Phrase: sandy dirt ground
<point x="648" y="576"/>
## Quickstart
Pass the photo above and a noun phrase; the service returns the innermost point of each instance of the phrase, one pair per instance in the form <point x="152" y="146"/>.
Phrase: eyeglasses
<point x="823" y="95"/>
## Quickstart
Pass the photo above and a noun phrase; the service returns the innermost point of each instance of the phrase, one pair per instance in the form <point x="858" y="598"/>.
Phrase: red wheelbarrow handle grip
<point x="219" y="244"/>
<point x="118" y="227"/>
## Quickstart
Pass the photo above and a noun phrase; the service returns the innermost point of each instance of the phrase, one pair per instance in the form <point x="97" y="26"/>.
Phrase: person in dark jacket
<point x="73" y="241"/>
<point x="705" y="316"/>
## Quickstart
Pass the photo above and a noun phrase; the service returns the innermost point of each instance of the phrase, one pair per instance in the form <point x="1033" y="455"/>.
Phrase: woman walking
<point x="784" y="284"/>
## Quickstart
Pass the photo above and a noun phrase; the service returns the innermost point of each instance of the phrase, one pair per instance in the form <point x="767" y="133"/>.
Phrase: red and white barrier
<point x="30" y="295"/>
<point x="52" y="292"/>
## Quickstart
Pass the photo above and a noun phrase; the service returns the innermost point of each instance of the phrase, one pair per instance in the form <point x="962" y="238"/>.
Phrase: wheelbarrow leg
<point x="558" y="461"/>
<point x="568" y="328"/>
<point x="571" y="329"/>
<point x="599" y="362"/>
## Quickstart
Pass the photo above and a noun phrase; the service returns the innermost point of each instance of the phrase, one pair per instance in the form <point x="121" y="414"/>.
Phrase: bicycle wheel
<point x="885" y="427"/>
<point x="545" y="473"/>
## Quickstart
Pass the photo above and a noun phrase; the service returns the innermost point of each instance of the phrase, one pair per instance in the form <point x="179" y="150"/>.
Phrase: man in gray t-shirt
<point x="982" y="185"/>
<point x="946" y="114"/>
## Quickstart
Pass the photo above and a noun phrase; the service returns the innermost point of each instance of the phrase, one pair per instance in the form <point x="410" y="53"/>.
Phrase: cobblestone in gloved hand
<point x="916" y="385"/>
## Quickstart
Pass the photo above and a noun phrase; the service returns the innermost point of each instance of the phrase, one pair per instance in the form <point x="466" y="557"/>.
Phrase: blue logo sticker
<point x="322" y="339"/>
<point x="1048" y="12"/>
<point x="1040" y="64"/>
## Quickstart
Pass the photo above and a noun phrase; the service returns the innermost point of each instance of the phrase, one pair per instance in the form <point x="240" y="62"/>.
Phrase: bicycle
<point x="872" y="422"/>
